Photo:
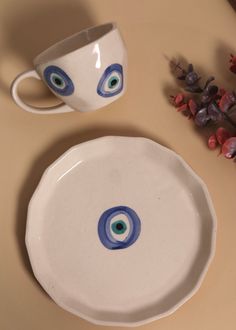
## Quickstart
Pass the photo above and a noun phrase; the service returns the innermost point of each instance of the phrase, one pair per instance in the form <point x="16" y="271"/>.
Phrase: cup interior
<point x="74" y="42"/>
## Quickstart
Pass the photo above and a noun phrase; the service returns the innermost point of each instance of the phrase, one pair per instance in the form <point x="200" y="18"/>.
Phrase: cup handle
<point x="39" y="110"/>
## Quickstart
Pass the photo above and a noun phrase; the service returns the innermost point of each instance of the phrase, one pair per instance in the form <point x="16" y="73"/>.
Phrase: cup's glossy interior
<point x="76" y="41"/>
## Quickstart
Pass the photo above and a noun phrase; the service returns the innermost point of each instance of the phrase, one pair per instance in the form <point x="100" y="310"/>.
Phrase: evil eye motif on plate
<point x="58" y="80"/>
<point x="111" y="82"/>
<point x="119" y="227"/>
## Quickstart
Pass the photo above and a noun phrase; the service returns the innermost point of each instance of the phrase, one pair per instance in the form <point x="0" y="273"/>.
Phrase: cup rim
<point x="38" y="59"/>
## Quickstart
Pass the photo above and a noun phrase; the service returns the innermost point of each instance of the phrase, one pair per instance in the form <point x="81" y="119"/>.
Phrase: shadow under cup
<point x="86" y="71"/>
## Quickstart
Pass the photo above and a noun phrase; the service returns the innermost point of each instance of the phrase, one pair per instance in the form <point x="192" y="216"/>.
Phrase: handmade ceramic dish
<point x="86" y="71"/>
<point x="120" y="231"/>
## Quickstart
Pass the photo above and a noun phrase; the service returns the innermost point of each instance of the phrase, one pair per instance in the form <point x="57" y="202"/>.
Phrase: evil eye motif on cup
<point x="119" y="227"/>
<point x="58" y="80"/>
<point x="111" y="82"/>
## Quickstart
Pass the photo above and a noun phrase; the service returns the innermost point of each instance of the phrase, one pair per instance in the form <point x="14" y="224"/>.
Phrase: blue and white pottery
<point x="120" y="231"/>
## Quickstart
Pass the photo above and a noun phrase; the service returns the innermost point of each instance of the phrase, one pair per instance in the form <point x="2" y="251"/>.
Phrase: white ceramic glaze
<point x="165" y="264"/>
<point x="86" y="71"/>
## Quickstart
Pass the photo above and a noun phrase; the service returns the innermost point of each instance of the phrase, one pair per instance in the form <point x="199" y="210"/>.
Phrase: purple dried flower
<point x="214" y="112"/>
<point x="201" y="118"/>
<point x="211" y="105"/>
<point x="209" y="93"/>
<point x="191" y="78"/>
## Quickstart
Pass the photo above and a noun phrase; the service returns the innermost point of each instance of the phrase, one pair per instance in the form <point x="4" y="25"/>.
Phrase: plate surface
<point x="120" y="231"/>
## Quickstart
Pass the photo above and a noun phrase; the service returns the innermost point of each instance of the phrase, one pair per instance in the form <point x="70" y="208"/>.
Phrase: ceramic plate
<point x="120" y="231"/>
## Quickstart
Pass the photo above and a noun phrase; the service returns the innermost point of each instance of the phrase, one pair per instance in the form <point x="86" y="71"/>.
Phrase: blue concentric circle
<point x="107" y="233"/>
<point x="58" y="80"/>
<point x="111" y="82"/>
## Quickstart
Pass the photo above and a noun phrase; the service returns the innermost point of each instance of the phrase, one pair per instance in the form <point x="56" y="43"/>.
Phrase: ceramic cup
<point x="86" y="71"/>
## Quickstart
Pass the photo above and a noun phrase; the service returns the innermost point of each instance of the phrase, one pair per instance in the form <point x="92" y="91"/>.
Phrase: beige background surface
<point x="201" y="31"/>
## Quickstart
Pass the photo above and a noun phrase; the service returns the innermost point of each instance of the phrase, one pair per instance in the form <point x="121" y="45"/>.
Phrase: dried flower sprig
<point x="207" y="104"/>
